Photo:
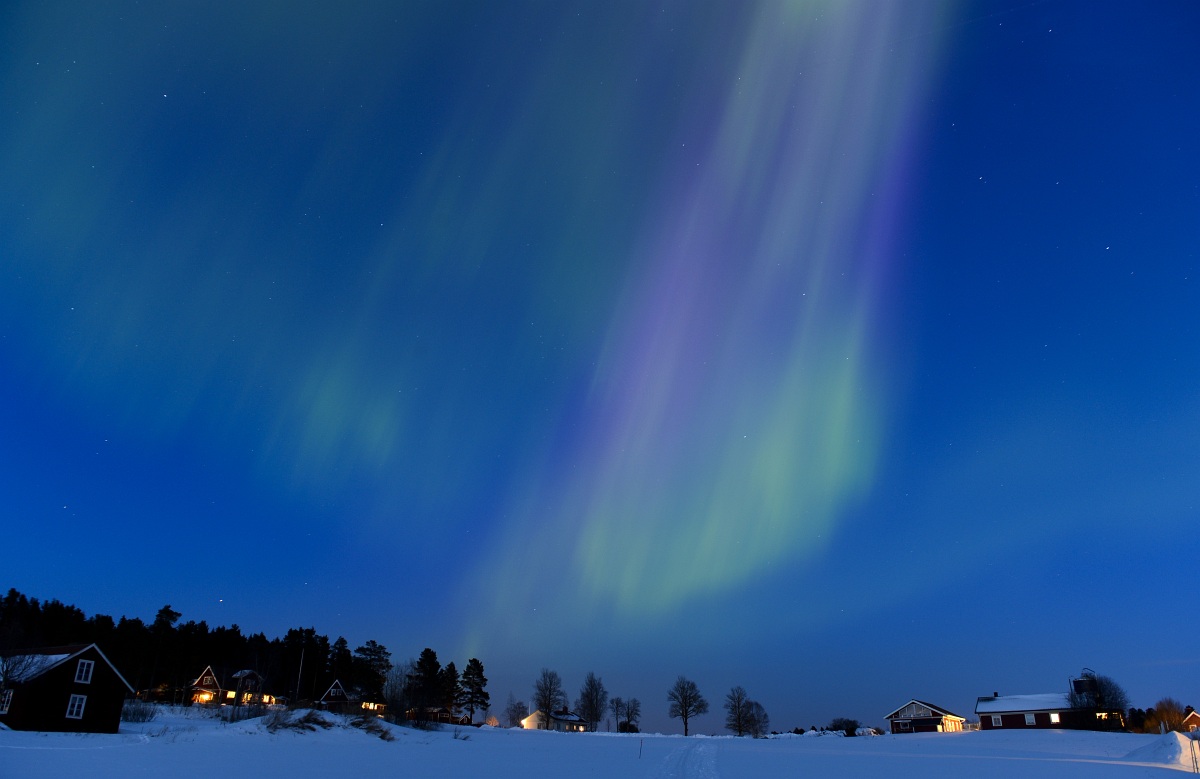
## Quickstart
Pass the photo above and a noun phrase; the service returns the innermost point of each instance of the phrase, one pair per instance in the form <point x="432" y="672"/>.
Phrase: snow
<point x="1173" y="749"/>
<point x="191" y="742"/>
<point x="1052" y="701"/>
<point x="30" y="666"/>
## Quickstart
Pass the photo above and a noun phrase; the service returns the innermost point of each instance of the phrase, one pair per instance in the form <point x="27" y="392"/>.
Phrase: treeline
<point x="162" y="659"/>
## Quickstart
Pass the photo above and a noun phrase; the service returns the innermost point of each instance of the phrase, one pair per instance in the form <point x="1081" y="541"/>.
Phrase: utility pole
<point x="298" y="675"/>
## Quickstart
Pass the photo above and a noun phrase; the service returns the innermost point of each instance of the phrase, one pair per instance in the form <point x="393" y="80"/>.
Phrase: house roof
<point x="208" y="671"/>
<point x="566" y="716"/>
<point x="1007" y="704"/>
<point x="935" y="709"/>
<point x="44" y="659"/>
<point x="336" y="692"/>
<point x="561" y="716"/>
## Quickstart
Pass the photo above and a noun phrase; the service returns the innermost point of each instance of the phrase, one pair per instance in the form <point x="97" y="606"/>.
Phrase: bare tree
<point x="15" y="669"/>
<point x="1101" y="695"/>
<point x="397" y="689"/>
<point x="757" y="722"/>
<point x="548" y="695"/>
<point x="618" y="708"/>
<point x="686" y="701"/>
<point x="736" y="711"/>
<point x="1167" y="715"/>
<point x="633" y="714"/>
<point x="514" y="712"/>
<point x="593" y="699"/>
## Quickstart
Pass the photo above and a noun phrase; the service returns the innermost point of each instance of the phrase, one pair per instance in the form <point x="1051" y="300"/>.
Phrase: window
<point x="1054" y="719"/>
<point x="1030" y="721"/>
<point x="996" y="721"/>
<point x="83" y="671"/>
<point x="75" y="707"/>
<point x="5" y="701"/>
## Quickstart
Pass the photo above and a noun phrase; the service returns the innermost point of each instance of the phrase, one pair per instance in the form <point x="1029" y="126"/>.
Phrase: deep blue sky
<point x="845" y="351"/>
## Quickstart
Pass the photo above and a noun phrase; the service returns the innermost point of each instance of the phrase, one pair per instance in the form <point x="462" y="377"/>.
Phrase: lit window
<point x="83" y="671"/>
<point x="75" y="707"/>
<point x="1054" y="718"/>
<point x="1029" y="720"/>
<point x="5" y="701"/>
<point x="996" y="721"/>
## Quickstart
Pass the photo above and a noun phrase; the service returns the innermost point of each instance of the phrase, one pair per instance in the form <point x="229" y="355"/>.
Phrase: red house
<point x="1044" y="710"/>
<point x="67" y="688"/>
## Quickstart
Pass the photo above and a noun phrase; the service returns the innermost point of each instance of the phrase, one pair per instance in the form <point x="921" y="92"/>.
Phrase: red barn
<point x="66" y="688"/>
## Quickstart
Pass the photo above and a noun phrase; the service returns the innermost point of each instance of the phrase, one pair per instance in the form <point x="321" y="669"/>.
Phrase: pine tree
<point x="475" y="697"/>
<point x="450" y="688"/>
<point x="376" y="661"/>
<point x="340" y="660"/>
<point x="426" y="691"/>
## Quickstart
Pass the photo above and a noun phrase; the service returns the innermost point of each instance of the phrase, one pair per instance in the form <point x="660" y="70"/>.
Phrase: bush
<point x="136" y="710"/>
<point x="309" y="721"/>
<point x="845" y="725"/>
<point x="373" y="726"/>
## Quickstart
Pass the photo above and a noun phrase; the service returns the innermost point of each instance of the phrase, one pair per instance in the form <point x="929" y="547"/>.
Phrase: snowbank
<point x="1170" y="749"/>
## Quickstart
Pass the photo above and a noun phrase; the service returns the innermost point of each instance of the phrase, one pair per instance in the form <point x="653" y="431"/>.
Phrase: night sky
<point x="846" y="351"/>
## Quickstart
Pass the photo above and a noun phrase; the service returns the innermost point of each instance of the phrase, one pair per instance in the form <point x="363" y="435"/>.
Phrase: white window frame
<point x="76" y="706"/>
<point x="1055" y="719"/>
<point x="997" y="721"/>
<point x="1030" y="720"/>
<point x="5" y="700"/>
<point x="83" y="671"/>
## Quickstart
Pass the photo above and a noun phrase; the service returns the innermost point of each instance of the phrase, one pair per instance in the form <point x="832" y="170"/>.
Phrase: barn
<point x="921" y="717"/>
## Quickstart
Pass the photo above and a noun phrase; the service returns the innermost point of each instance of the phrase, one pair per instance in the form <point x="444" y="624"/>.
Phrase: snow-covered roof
<point x="934" y="709"/>
<point x="22" y="668"/>
<point x="32" y="663"/>
<point x="1004" y="704"/>
<point x="566" y="716"/>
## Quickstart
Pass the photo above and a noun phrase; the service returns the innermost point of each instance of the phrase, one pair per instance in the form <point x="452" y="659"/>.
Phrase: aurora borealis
<point x="725" y="339"/>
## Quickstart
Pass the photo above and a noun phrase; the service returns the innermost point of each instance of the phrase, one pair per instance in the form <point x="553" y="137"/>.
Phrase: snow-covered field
<point x="185" y="743"/>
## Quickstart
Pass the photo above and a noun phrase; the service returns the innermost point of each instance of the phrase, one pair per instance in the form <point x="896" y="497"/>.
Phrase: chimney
<point x="995" y="695"/>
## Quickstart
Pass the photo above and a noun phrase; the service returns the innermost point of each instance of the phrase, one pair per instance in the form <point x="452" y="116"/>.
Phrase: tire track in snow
<point x="692" y="760"/>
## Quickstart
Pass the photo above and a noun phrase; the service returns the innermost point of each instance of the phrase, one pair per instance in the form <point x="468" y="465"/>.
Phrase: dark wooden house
<point x="207" y="688"/>
<point x="336" y="699"/>
<point x="921" y="717"/>
<point x="67" y="688"/>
